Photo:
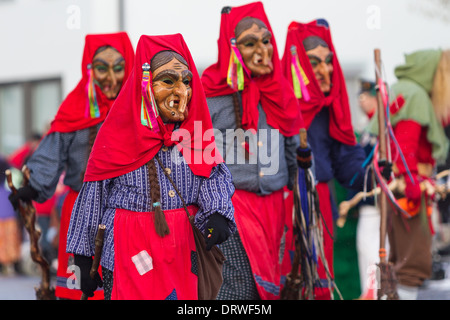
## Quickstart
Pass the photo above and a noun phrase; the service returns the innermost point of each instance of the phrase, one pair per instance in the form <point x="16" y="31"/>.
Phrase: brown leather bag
<point x="209" y="263"/>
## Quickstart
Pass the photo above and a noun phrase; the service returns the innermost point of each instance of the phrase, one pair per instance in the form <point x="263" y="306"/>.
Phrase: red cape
<point x="123" y="144"/>
<point x="273" y="91"/>
<point x="71" y="114"/>
<point x="341" y="127"/>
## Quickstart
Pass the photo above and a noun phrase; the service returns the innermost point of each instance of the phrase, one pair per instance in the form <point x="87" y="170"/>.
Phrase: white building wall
<point x="45" y="38"/>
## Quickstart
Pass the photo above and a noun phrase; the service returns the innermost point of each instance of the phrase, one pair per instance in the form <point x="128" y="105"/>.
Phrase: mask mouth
<point x="263" y="68"/>
<point x="174" y="103"/>
<point x="324" y="83"/>
<point x="177" y="111"/>
<point x="109" y="89"/>
<point x="259" y="60"/>
<point x="263" y="62"/>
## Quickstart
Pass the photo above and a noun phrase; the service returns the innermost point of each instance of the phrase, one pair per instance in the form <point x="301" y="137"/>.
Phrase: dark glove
<point x="25" y="194"/>
<point x="412" y="191"/>
<point x="304" y="158"/>
<point x="87" y="284"/>
<point x="386" y="169"/>
<point x="217" y="230"/>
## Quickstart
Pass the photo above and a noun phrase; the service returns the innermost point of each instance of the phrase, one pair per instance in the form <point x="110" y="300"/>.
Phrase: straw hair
<point x="440" y="93"/>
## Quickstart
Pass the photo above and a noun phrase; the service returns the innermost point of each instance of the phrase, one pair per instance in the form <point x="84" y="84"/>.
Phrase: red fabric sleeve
<point x="407" y="133"/>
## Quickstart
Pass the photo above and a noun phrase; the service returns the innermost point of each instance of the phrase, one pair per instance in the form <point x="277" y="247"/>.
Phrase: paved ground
<point x="22" y="287"/>
<point x="18" y="287"/>
<point x="437" y="289"/>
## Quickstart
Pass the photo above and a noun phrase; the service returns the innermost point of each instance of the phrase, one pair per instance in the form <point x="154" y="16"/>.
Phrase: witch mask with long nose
<point x="171" y="86"/>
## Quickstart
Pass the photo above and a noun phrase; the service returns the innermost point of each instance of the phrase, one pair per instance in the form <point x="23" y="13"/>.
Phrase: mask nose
<point x="112" y="77"/>
<point x="262" y="53"/>
<point x="182" y="93"/>
<point x="265" y="56"/>
<point x="324" y="70"/>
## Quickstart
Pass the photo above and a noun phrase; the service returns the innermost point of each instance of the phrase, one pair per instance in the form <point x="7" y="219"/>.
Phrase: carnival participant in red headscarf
<point x="106" y="65"/>
<point x="158" y="131"/>
<point x="310" y="63"/>
<point x="250" y="99"/>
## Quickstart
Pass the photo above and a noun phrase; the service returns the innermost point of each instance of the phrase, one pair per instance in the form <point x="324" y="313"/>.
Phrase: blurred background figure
<point x="21" y="155"/>
<point x="47" y="218"/>
<point x="356" y="242"/>
<point x="368" y="226"/>
<point x="368" y="98"/>
<point x="441" y="102"/>
<point x="417" y="123"/>
<point x="10" y="235"/>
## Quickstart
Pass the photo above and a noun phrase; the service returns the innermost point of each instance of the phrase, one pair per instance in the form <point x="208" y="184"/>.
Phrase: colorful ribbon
<point x="383" y="91"/>
<point x="148" y="104"/>
<point x="235" y="74"/>
<point x="92" y="110"/>
<point x="299" y="78"/>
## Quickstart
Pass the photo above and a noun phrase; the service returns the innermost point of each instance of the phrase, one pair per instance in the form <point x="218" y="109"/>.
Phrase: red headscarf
<point x="341" y="127"/>
<point x="124" y="144"/>
<point x="273" y="91"/>
<point x="71" y="115"/>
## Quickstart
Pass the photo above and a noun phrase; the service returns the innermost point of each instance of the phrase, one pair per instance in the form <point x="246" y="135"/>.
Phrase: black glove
<point x="25" y="194"/>
<point x="386" y="169"/>
<point x="217" y="230"/>
<point x="304" y="158"/>
<point x="87" y="284"/>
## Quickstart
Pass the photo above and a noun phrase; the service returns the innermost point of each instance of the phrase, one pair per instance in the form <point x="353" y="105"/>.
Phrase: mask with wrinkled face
<point x="109" y="70"/>
<point x="254" y="44"/>
<point x="172" y="90"/>
<point x="321" y="59"/>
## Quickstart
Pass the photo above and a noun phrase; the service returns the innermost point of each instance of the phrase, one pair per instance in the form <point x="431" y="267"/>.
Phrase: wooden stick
<point x="397" y="186"/>
<point x="97" y="255"/>
<point x="28" y="214"/>
<point x="388" y="289"/>
<point x="382" y="144"/>
<point x="303" y="138"/>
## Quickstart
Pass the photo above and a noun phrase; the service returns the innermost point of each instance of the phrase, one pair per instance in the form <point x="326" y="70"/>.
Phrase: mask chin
<point x="171" y="116"/>
<point x="113" y="97"/>
<point x="327" y="93"/>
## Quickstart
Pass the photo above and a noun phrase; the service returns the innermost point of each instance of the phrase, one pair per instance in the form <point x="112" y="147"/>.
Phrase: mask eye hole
<point x="101" y="68"/>
<point x="118" y="68"/>
<point x="314" y="62"/>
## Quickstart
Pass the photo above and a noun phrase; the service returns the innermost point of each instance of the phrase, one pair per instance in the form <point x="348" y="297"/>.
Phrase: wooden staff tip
<point x="303" y="138"/>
